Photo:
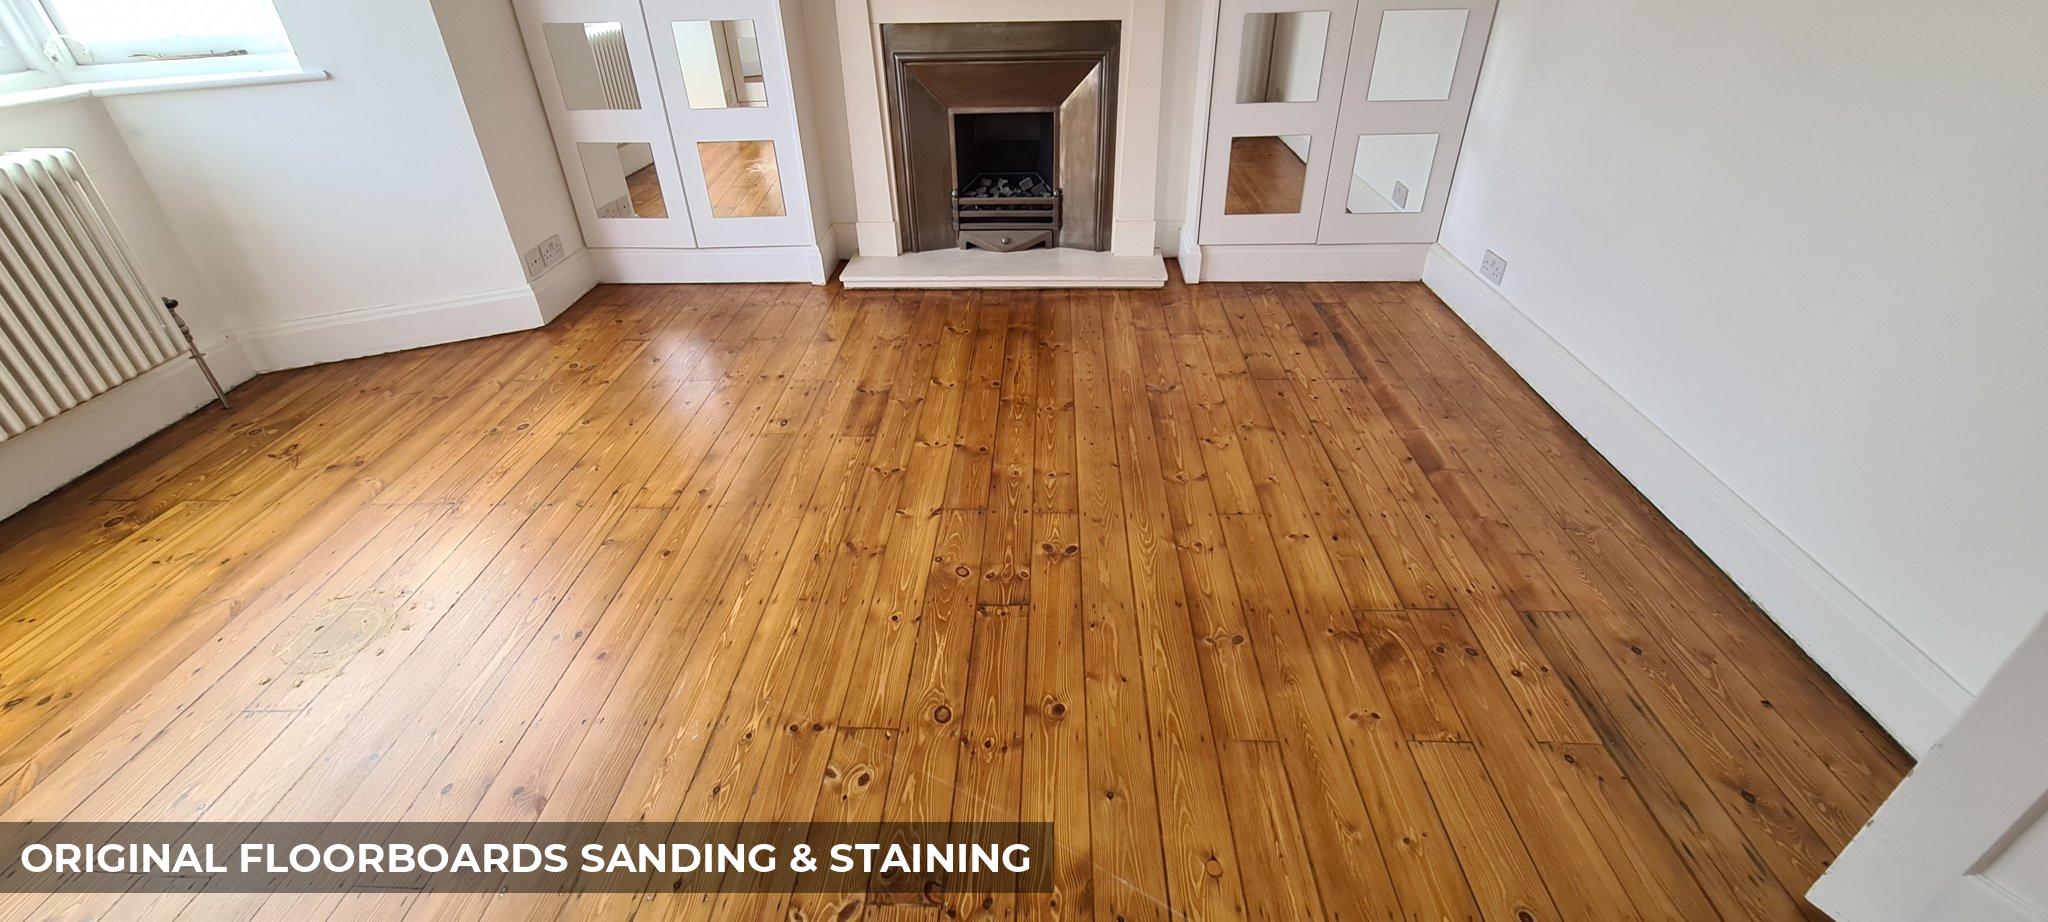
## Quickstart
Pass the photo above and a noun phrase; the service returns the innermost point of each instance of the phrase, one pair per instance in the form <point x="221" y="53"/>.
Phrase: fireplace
<point x="1001" y="133"/>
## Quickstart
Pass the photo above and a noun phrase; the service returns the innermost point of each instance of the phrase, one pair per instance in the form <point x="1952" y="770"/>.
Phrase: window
<point x="11" y="61"/>
<point x="85" y="41"/>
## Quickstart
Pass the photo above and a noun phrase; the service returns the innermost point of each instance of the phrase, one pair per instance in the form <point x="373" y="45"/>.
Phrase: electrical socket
<point x="535" y="263"/>
<point x="551" y="251"/>
<point x="1400" y="194"/>
<point x="1493" y="267"/>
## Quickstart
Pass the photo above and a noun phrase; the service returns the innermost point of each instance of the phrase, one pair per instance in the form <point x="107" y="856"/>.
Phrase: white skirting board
<point x="559" y="287"/>
<point x="54" y="453"/>
<point x="76" y="441"/>
<point x="376" y="330"/>
<point x="1890" y="677"/>
<point x="716" y="264"/>
<point x="1309" y="262"/>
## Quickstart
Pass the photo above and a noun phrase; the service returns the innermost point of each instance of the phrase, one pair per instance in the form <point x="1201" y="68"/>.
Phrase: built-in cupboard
<point x="676" y="124"/>
<point x="1334" y="124"/>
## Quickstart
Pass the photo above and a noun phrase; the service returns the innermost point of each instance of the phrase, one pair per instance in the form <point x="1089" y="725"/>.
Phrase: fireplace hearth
<point x="1002" y="132"/>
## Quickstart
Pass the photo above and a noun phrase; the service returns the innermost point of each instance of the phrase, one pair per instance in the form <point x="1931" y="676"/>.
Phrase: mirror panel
<point x="1267" y="174"/>
<point x="623" y="180"/>
<point x="591" y="65"/>
<point x="1417" y="56"/>
<point x="721" y="62"/>
<point x="1283" y="56"/>
<point x="741" y="178"/>
<point x="1390" y="174"/>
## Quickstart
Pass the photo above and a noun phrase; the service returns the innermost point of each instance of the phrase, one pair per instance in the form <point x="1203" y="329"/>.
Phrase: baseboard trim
<point x="377" y="330"/>
<point x="562" y="285"/>
<point x="1166" y="239"/>
<point x="637" y="266"/>
<point x="37" y="462"/>
<point x="1896" y="681"/>
<point x="1309" y="262"/>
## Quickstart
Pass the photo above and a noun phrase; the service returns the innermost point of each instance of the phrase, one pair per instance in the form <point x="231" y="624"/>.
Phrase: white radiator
<point x="76" y="319"/>
<point x="614" y="69"/>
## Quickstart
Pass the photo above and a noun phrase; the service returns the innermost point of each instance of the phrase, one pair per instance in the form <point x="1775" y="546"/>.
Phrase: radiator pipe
<point x="171" y="305"/>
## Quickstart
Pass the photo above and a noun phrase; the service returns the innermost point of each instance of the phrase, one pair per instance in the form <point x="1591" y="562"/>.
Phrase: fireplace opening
<point x="1006" y="166"/>
<point x="997" y="143"/>
<point x="1002" y="133"/>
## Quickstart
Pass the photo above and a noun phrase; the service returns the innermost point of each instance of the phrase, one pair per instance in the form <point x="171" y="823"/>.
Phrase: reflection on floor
<point x="1266" y="177"/>
<point x="1284" y="601"/>
<point x="742" y="178"/>
<point x="645" y="187"/>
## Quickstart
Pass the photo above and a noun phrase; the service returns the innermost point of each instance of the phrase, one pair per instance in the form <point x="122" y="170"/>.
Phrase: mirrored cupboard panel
<point x="1283" y="56"/>
<point x="623" y="180"/>
<point x="721" y="63"/>
<point x="1337" y="122"/>
<point x="1390" y="173"/>
<point x="591" y="65"/>
<point x="598" y="80"/>
<point x="725" y="75"/>
<point x="1273" y="110"/>
<point x="1267" y="174"/>
<point x="1408" y="92"/>
<point x="1416" y="57"/>
<point x="742" y="178"/>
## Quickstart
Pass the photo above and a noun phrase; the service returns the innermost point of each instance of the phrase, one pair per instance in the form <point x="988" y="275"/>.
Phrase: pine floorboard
<point x="1279" y="601"/>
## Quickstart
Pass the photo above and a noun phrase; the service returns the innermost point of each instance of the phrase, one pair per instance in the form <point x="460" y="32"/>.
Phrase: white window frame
<point x="54" y="60"/>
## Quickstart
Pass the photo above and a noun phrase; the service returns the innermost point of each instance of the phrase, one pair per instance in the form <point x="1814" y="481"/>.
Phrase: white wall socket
<point x="551" y="251"/>
<point x="1493" y="267"/>
<point x="535" y="262"/>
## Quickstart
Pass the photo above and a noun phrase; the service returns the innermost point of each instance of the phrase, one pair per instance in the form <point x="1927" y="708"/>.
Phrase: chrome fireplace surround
<point x="940" y="72"/>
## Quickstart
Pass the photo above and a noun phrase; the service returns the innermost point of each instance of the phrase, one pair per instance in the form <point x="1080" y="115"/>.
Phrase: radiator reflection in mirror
<point x="740" y="178"/>
<point x="623" y="181"/>
<point x="721" y="62"/>
<point x="1267" y="174"/>
<point x="591" y="66"/>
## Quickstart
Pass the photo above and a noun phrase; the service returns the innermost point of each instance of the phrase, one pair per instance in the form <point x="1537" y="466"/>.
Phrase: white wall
<point x="1178" y="157"/>
<point x="327" y="214"/>
<point x="1802" y="240"/>
<point x="505" y="114"/>
<point x="82" y="124"/>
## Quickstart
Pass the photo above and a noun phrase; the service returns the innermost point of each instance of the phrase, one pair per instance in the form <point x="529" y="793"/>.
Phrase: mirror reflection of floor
<point x="1266" y="177"/>
<point x="741" y="175"/>
<point x="645" y="188"/>
<point x="742" y="178"/>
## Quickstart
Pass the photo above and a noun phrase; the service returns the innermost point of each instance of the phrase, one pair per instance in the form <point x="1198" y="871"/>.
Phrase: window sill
<point x="157" y="85"/>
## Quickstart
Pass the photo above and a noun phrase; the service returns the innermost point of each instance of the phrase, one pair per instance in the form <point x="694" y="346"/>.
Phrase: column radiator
<point x="614" y="69"/>
<point x="76" y="319"/>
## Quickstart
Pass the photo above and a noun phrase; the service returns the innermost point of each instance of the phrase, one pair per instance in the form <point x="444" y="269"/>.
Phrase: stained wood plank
<point x="1276" y="600"/>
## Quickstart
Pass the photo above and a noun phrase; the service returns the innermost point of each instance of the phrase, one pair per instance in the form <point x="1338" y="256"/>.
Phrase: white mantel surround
<point x="1133" y="258"/>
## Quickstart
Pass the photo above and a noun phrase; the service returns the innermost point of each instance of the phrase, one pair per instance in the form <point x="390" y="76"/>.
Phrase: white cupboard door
<point x="1273" y="105"/>
<point x="1407" y="93"/>
<point x="596" y="73"/>
<point x="724" y="70"/>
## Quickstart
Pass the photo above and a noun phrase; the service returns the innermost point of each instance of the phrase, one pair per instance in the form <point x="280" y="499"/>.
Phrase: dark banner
<point x="882" y="859"/>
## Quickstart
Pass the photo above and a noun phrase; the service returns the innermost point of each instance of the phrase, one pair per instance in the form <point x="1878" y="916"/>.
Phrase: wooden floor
<point x="1286" y="601"/>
